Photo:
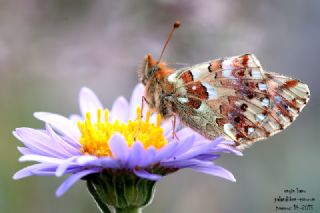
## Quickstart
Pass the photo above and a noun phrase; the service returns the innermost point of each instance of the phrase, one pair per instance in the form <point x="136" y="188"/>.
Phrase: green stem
<point x="129" y="210"/>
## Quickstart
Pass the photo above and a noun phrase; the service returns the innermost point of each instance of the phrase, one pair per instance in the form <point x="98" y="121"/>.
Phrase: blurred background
<point x="49" y="49"/>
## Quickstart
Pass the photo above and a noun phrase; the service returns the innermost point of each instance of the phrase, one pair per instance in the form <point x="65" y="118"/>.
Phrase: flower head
<point x="117" y="140"/>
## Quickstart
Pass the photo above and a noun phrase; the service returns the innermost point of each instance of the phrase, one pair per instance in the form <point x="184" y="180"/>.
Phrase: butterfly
<point x="232" y="96"/>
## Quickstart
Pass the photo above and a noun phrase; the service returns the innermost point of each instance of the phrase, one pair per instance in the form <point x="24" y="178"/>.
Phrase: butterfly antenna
<point x="175" y="26"/>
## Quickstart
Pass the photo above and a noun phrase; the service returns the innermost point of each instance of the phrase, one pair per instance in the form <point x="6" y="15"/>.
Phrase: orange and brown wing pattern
<point x="235" y="97"/>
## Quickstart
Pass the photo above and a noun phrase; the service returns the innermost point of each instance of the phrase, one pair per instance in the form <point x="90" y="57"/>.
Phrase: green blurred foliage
<point x="50" y="49"/>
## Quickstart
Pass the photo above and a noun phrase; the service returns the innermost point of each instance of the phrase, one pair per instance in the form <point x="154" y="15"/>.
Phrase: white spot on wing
<point x="250" y="130"/>
<point x="194" y="87"/>
<point x="226" y="64"/>
<point x="262" y="86"/>
<point x="183" y="100"/>
<point x="256" y="73"/>
<point x="265" y="102"/>
<point x="277" y="99"/>
<point x="227" y="73"/>
<point x="260" y="117"/>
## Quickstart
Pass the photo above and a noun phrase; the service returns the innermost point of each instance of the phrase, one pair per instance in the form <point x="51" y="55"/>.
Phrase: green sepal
<point x="120" y="191"/>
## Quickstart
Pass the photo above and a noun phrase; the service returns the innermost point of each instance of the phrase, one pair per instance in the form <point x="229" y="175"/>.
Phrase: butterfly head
<point x="149" y="68"/>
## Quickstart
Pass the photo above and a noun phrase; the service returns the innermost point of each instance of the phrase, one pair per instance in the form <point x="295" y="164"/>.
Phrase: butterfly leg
<point x="143" y="100"/>
<point x="174" y="123"/>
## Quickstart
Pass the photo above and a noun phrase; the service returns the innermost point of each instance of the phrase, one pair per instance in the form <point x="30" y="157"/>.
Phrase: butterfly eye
<point x="152" y="70"/>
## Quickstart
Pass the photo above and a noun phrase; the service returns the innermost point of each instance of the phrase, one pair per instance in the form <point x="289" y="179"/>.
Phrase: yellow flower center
<point x="95" y="136"/>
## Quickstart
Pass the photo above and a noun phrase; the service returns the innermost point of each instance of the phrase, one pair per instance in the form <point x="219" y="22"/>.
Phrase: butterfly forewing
<point x="235" y="97"/>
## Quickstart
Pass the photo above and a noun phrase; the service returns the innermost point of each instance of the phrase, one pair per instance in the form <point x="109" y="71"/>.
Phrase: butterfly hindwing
<point x="234" y="96"/>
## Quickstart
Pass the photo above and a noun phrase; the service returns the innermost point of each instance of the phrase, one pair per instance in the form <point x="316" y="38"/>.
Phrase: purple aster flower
<point x="117" y="142"/>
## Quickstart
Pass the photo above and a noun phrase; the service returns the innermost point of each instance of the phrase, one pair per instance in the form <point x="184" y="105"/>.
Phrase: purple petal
<point x="86" y="159"/>
<point x="208" y="157"/>
<point x="183" y="163"/>
<point x="38" y="141"/>
<point x="214" y="143"/>
<point x="186" y="131"/>
<point x="43" y="173"/>
<point x="62" y="124"/>
<point x="108" y="162"/>
<point x="89" y="102"/>
<point x="40" y="158"/>
<point x="135" y="154"/>
<point x="64" y="146"/>
<point x="28" y="171"/>
<point x="25" y="150"/>
<point x="215" y="170"/>
<point x="105" y="162"/>
<point x="119" y="147"/>
<point x="184" y="145"/>
<point x="166" y="151"/>
<point x="201" y="148"/>
<point x="146" y="175"/>
<point x="228" y="149"/>
<point x="148" y="157"/>
<point x="120" y="110"/>
<point x="64" y="166"/>
<point x="74" y="178"/>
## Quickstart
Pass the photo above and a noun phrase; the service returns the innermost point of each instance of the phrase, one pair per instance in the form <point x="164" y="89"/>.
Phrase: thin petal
<point x="184" y="145"/>
<point x="60" y="123"/>
<point x="227" y="148"/>
<point x="28" y="171"/>
<point x="38" y="141"/>
<point x="183" y="163"/>
<point x="39" y="158"/>
<point x="201" y="148"/>
<point x="135" y="154"/>
<point x="216" y="171"/>
<point x="108" y="162"/>
<point x="166" y="151"/>
<point x="72" y="179"/>
<point x="208" y="157"/>
<point x="120" y="110"/>
<point x="64" y="166"/>
<point x="146" y="175"/>
<point x="186" y="131"/>
<point x="105" y="162"/>
<point x="89" y="102"/>
<point x="119" y="147"/>
<point x="148" y="157"/>
<point x="64" y="146"/>
<point x="25" y="150"/>
<point x="85" y="159"/>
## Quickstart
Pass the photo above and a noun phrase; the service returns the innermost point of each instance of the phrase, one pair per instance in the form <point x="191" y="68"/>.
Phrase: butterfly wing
<point x="235" y="97"/>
